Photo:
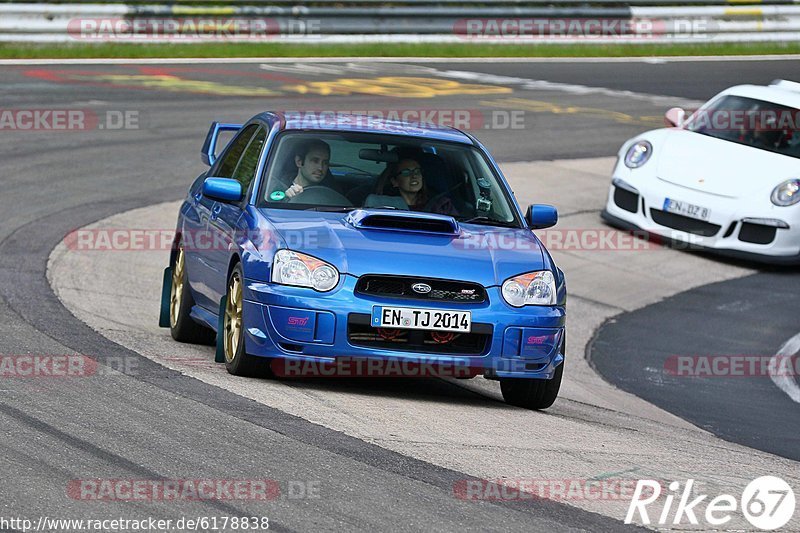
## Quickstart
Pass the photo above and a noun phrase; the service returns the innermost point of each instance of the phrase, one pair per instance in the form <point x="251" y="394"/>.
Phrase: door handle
<point x="215" y="211"/>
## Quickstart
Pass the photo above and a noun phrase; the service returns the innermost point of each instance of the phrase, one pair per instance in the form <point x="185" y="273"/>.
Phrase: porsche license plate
<point x="686" y="209"/>
<point x="415" y="318"/>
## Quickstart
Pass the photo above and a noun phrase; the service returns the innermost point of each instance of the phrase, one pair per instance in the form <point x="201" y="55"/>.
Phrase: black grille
<point x="757" y="233"/>
<point x="361" y="333"/>
<point x="626" y="200"/>
<point x="401" y="287"/>
<point x="682" y="223"/>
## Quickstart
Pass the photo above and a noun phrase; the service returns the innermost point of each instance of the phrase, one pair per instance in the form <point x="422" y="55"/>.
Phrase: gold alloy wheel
<point x="176" y="292"/>
<point x="233" y="317"/>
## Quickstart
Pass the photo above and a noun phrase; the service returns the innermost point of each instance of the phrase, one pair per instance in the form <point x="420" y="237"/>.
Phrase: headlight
<point x="787" y="193"/>
<point x="638" y="154"/>
<point x="533" y="288"/>
<point x="301" y="270"/>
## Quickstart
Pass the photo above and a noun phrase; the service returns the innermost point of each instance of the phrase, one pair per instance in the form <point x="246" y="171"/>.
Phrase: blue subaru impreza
<point x="310" y="243"/>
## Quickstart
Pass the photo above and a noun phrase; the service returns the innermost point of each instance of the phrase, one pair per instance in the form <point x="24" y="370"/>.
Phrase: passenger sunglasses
<point x="408" y="172"/>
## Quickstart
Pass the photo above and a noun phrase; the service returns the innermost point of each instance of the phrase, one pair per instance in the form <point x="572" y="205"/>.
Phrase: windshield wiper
<point x="330" y="208"/>
<point x="489" y="222"/>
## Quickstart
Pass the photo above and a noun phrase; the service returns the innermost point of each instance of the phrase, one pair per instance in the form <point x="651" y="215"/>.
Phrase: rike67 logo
<point x="767" y="503"/>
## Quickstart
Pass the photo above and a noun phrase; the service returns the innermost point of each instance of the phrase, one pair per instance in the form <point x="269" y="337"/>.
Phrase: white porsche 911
<point x="726" y="179"/>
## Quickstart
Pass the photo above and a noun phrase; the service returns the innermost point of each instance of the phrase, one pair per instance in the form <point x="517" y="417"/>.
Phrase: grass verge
<point x="136" y="50"/>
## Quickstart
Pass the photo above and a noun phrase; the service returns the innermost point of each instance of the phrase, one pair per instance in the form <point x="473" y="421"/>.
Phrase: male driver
<point x="312" y="159"/>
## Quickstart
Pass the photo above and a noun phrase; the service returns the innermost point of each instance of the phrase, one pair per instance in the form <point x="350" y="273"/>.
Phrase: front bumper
<point x="298" y="324"/>
<point x="732" y="230"/>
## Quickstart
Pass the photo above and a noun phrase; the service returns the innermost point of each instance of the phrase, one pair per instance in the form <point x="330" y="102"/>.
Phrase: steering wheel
<point x="320" y="195"/>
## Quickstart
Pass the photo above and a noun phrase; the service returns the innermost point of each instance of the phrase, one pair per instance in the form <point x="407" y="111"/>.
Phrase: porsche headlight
<point x="787" y="193"/>
<point x="533" y="288"/>
<point x="301" y="270"/>
<point x="638" y="154"/>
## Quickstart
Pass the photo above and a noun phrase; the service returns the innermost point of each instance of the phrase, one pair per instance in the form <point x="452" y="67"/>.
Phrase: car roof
<point x="779" y="92"/>
<point x="335" y="121"/>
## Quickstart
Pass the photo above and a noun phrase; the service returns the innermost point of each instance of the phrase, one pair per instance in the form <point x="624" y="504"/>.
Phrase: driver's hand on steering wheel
<point x="294" y="190"/>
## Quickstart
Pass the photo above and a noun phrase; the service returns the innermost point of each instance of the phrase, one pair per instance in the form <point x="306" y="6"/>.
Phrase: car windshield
<point x="763" y="125"/>
<point x="341" y="171"/>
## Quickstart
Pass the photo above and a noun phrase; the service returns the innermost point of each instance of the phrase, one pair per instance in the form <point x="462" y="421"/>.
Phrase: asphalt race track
<point x="381" y="454"/>
<point x="750" y="317"/>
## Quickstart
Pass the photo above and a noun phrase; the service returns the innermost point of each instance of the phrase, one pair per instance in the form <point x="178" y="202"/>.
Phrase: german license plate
<point x="686" y="209"/>
<point x="415" y="318"/>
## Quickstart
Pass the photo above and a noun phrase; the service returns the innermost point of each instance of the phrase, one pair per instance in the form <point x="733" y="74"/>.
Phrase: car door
<point x="225" y="225"/>
<point x="202" y="273"/>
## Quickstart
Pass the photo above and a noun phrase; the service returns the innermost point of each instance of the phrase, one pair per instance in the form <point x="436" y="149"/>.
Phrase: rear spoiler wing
<point x="209" y="151"/>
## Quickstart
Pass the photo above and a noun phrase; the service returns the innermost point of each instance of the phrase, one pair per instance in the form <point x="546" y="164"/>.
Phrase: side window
<point x="234" y="153"/>
<point x="246" y="169"/>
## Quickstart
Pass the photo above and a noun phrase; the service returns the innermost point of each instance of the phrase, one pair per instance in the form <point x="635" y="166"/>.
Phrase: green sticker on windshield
<point x="277" y="196"/>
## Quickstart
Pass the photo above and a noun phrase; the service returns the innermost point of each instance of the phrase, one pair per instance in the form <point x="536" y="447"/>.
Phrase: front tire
<point x="181" y="326"/>
<point x="532" y="393"/>
<point x="237" y="361"/>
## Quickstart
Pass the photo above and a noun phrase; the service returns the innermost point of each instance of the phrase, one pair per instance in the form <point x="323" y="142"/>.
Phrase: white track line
<point x="568" y="88"/>
<point x="785" y="382"/>
<point x="228" y="60"/>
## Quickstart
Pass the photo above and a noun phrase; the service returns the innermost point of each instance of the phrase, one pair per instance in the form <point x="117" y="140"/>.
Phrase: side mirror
<point x="222" y="189"/>
<point x="674" y="117"/>
<point x="542" y="216"/>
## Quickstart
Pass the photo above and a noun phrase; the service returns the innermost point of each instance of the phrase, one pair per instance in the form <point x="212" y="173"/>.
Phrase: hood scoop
<point x="407" y="221"/>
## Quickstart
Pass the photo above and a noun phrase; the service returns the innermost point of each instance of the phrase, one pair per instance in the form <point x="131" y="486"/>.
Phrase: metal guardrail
<point x="370" y="3"/>
<point x="495" y="21"/>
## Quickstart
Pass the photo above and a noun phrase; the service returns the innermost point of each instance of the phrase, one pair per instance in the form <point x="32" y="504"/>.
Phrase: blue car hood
<point x="485" y="254"/>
